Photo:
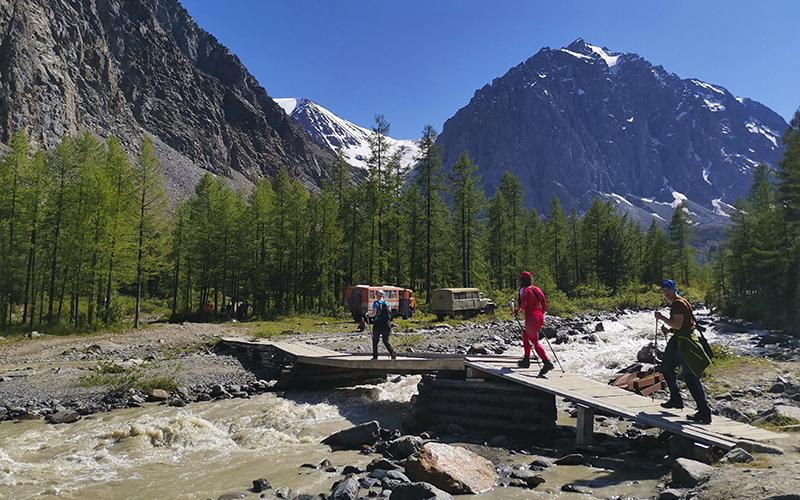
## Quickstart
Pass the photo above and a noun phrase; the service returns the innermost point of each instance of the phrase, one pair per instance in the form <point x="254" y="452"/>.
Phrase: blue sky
<point x="418" y="62"/>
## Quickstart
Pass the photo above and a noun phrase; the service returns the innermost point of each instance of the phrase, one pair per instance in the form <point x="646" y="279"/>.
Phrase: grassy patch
<point x="728" y="362"/>
<point x="408" y="340"/>
<point x="120" y="379"/>
<point x="305" y="323"/>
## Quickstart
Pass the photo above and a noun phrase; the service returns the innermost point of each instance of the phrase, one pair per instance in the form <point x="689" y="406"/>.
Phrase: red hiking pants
<point x="531" y="336"/>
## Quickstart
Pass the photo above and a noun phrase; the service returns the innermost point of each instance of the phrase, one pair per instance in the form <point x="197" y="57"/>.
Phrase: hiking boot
<point x="524" y="363"/>
<point x="547" y="365"/>
<point x="700" y="418"/>
<point x="673" y="403"/>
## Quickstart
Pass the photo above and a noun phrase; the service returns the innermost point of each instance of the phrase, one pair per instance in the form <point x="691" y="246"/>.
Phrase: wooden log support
<point x="585" y="427"/>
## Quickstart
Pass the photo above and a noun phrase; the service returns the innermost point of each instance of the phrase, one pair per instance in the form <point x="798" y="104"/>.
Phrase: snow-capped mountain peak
<point x="335" y="132"/>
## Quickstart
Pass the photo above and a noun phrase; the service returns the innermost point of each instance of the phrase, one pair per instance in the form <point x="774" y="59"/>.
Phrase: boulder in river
<point x="419" y="491"/>
<point x="355" y="437"/>
<point x="382" y="463"/>
<point x="571" y="459"/>
<point x="260" y="485"/>
<point x="352" y="469"/>
<point x="64" y="417"/>
<point x="392" y="475"/>
<point x="405" y="446"/>
<point x="576" y="488"/>
<point x="346" y="489"/>
<point x="284" y="493"/>
<point x="528" y="477"/>
<point x="453" y="469"/>
<point x="689" y="473"/>
<point x="647" y="354"/>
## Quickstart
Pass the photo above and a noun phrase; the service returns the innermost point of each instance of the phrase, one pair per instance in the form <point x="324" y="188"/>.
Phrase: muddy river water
<point x="208" y="449"/>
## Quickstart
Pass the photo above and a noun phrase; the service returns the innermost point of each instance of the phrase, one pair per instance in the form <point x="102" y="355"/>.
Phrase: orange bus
<point x="358" y="300"/>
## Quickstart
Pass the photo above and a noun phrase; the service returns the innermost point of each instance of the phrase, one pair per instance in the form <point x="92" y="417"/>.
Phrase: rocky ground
<point x="63" y="378"/>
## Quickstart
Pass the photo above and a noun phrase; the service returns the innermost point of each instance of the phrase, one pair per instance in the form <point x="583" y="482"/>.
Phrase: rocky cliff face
<point x="129" y="67"/>
<point x="584" y="121"/>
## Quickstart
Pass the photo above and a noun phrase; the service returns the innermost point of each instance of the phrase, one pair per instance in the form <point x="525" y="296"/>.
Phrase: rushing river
<point x="208" y="449"/>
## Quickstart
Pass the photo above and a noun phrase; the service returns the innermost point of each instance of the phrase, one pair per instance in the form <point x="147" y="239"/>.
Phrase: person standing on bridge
<point x="534" y="303"/>
<point x="684" y="350"/>
<point x="381" y="325"/>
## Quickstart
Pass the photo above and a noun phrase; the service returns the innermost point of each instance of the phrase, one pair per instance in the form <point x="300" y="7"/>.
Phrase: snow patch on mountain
<point x="708" y="86"/>
<point x="610" y="60"/>
<point x="757" y="128"/>
<point x="335" y="132"/>
<point x="720" y="207"/>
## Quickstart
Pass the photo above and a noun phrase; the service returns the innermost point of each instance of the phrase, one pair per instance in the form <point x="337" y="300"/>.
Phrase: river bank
<point x="256" y="432"/>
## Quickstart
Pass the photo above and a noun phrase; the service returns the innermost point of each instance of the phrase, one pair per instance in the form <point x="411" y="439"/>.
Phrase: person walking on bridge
<point x="381" y="325"/>
<point x="684" y="350"/>
<point x="533" y="302"/>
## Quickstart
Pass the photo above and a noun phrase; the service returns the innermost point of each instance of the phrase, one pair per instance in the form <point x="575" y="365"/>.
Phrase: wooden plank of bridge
<point x="319" y="356"/>
<point x="589" y="394"/>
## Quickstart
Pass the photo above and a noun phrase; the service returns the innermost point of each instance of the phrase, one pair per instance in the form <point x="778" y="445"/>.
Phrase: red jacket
<point x="533" y="302"/>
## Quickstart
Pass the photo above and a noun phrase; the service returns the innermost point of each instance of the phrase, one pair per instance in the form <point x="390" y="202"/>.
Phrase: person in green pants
<point x="684" y="350"/>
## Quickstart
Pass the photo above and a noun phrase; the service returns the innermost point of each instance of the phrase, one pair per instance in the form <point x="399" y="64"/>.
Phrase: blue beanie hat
<point x="669" y="284"/>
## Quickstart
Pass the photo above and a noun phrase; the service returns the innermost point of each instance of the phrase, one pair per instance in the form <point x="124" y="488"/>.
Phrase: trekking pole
<point x="554" y="353"/>
<point x="655" y="345"/>
<point x="521" y="328"/>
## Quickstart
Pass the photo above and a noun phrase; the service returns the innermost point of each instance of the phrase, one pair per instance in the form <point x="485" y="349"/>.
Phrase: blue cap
<point x="669" y="284"/>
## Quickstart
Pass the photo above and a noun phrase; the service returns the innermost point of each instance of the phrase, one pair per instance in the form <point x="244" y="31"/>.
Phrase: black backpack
<point x="383" y="316"/>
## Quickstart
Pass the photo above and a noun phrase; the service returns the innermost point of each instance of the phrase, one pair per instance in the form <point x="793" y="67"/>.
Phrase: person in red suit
<point x="534" y="304"/>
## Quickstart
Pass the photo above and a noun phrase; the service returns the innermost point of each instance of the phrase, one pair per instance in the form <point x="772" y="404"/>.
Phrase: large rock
<point x="737" y="456"/>
<point x="787" y="412"/>
<point x="64" y="417"/>
<point x="392" y="475"/>
<point x="159" y="395"/>
<point x="647" y="354"/>
<point x="529" y="477"/>
<point x="453" y="469"/>
<point x="346" y="489"/>
<point x="382" y="463"/>
<point x="354" y="437"/>
<point x="689" y="473"/>
<point x="405" y="446"/>
<point x="419" y="491"/>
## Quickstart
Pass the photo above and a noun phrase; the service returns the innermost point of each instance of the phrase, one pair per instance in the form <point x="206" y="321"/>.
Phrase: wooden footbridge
<point x="588" y="395"/>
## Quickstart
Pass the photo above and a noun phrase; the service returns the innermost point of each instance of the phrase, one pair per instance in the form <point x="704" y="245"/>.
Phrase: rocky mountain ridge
<point x="335" y="132"/>
<point x="138" y="67"/>
<point x="583" y="121"/>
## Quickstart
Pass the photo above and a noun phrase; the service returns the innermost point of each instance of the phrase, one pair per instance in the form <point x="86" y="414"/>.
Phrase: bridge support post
<point x="585" y="427"/>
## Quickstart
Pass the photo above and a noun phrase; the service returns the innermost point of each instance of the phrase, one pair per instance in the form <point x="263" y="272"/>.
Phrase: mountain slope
<point x="335" y="132"/>
<point x="583" y="121"/>
<point x="144" y="66"/>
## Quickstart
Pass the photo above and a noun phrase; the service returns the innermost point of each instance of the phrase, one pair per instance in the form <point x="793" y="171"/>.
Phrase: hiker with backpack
<point x="683" y="349"/>
<point x="534" y="304"/>
<point x="381" y="326"/>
